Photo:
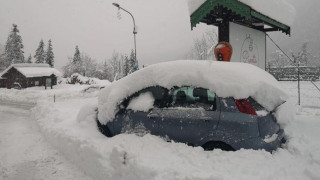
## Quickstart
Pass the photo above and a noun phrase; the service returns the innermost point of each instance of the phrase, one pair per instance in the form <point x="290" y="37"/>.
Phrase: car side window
<point x="148" y="98"/>
<point x="190" y="97"/>
<point x="228" y="105"/>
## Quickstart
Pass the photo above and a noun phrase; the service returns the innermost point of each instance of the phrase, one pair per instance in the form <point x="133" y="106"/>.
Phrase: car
<point x="190" y="111"/>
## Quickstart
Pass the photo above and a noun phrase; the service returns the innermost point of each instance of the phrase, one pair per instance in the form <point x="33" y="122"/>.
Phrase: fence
<point x="291" y="73"/>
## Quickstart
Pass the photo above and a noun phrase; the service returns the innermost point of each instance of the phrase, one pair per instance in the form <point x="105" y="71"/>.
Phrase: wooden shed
<point x="29" y="75"/>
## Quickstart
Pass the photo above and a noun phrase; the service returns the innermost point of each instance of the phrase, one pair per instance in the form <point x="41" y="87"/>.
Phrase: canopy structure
<point x="243" y="12"/>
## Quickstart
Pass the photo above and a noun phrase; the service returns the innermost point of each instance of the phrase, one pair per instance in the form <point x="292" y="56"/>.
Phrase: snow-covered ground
<point x="69" y="126"/>
<point x="24" y="152"/>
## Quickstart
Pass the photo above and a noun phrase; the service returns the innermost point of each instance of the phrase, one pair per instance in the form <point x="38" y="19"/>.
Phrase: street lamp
<point x="134" y="30"/>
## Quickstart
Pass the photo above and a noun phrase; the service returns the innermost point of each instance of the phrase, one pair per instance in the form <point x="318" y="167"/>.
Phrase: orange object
<point x="223" y="51"/>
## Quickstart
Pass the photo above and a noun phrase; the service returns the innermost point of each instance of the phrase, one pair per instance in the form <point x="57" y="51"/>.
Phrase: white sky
<point x="164" y="30"/>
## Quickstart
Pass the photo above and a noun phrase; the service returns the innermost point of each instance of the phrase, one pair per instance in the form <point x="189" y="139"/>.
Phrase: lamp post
<point x="134" y="29"/>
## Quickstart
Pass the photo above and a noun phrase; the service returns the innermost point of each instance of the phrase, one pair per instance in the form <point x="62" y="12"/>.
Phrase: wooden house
<point x="29" y="75"/>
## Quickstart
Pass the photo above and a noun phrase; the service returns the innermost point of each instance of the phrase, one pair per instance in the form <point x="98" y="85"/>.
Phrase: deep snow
<point x="128" y="156"/>
<point x="25" y="154"/>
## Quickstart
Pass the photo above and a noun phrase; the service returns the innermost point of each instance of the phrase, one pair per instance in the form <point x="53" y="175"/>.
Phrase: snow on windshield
<point x="280" y="10"/>
<point x="238" y="80"/>
<point x="144" y="102"/>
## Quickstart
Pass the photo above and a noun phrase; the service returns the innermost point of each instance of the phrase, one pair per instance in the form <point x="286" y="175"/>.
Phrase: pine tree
<point x="29" y="60"/>
<point x="13" y="49"/>
<point x="40" y="54"/>
<point x="76" y="57"/>
<point x="133" y="64"/>
<point x="126" y="69"/>
<point x="77" y="62"/>
<point x="49" y="55"/>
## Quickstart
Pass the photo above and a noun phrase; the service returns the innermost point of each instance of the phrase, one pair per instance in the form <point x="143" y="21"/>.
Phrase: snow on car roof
<point x="280" y="10"/>
<point x="226" y="79"/>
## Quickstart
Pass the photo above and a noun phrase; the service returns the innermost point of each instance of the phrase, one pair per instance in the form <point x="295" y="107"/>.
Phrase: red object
<point x="223" y="51"/>
<point x="244" y="106"/>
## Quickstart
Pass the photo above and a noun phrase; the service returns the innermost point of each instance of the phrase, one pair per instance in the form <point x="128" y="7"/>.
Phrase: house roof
<point x="33" y="70"/>
<point x="278" y="14"/>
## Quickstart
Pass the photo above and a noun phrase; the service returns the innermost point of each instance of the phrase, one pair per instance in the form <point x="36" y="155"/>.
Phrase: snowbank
<point x="238" y="80"/>
<point x="280" y="10"/>
<point x="78" y="78"/>
<point x="30" y="96"/>
<point x="70" y="126"/>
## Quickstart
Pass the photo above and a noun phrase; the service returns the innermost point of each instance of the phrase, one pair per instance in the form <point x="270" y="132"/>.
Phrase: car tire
<point x="209" y="146"/>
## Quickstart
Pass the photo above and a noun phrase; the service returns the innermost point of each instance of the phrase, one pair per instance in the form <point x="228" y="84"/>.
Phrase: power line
<point x="281" y="50"/>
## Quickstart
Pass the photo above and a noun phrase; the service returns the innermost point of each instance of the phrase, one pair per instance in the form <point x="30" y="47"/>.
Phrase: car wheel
<point x="104" y="129"/>
<point x="209" y="146"/>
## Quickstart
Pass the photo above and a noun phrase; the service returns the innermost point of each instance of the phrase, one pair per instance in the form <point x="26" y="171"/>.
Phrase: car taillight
<point x="245" y="107"/>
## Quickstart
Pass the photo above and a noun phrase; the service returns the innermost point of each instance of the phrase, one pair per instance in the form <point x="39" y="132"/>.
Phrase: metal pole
<point x="299" y="82"/>
<point x="134" y="33"/>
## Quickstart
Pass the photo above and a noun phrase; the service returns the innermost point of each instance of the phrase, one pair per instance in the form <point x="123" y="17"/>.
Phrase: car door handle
<point x="152" y="116"/>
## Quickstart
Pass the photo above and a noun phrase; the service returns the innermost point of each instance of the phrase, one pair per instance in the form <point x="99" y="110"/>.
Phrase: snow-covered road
<point x="24" y="153"/>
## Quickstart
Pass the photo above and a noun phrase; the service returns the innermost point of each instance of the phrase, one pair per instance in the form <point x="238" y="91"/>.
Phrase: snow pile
<point x="280" y="10"/>
<point x="30" y="96"/>
<point x="144" y="102"/>
<point x="238" y="80"/>
<point x="78" y="78"/>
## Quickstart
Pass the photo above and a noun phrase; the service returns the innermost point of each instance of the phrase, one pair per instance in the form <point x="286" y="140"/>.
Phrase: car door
<point x="135" y="114"/>
<point x="190" y="117"/>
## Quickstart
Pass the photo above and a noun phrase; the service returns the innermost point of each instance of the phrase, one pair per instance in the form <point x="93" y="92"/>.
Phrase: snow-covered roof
<point x="279" y="10"/>
<point x="33" y="70"/>
<point x="238" y="80"/>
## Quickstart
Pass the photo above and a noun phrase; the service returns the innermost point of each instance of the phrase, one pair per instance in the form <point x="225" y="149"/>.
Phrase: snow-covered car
<point x="201" y="103"/>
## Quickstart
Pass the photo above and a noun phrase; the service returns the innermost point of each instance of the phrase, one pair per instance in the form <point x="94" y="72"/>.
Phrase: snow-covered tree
<point x="203" y="48"/>
<point x="133" y="64"/>
<point x="115" y="65"/>
<point x="1" y="49"/>
<point x="89" y="66"/>
<point x="40" y="54"/>
<point x="106" y="71"/>
<point x="13" y="52"/>
<point x="29" y="60"/>
<point x="49" y="55"/>
<point x="126" y="68"/>
<point x="76" y="56"/>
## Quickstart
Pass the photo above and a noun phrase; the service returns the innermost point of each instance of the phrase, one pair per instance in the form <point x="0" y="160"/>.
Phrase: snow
<point x="25" y="153"/>
<point x="238" y="80"/>
<point x="33" y="70"/>
<point x="69" y="126"/>
<point x="280" y="10"/>
<point x="144" y="102"/>
<point x="78" y="78"/>
<point x="38" y="71"/>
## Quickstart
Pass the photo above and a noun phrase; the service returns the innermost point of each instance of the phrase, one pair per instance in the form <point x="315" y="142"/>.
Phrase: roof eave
<point x="240" y="9"/>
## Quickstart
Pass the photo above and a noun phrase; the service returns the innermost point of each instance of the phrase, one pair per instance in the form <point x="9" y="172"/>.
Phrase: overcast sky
<point x="164" y="31"/>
